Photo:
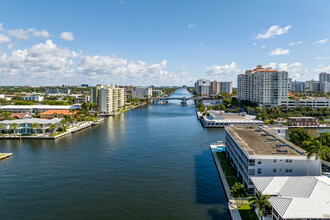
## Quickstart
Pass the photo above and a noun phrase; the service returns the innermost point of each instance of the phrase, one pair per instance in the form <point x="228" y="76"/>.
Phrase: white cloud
<point x="295" y="43"/>
<point x="191" y="25"/>
<point x="263" y="46"/>
<point x="295" y="69"/>
<point x="4" y="38"/>
<point x="42" y="33"/>
<point x="323" y="41"/>
<point x="26" y="34"/>
<point x="67" y="36"/>
<point x="46" y="63"/>
<point x="273" y="31"/>
<point x="279" y="51"/>
<point x="40" y="62"/>
<point x="225" y="72"/>
<point x="322" y="68"/>
<point x="322" y="58"/>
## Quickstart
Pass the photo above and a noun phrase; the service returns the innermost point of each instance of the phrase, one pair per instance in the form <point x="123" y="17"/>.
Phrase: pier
<point x="5" y="155"/>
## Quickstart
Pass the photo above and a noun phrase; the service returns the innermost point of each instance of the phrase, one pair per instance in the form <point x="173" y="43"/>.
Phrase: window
<point x="259" y="161"/>
<point x="259" y="170"/>
<point x="288" y="161"/>
<point x="251" y="171"/>
<point x="288" y="170"/>
<point x="251" y="162"/>
<point x="274" y="161"/>
<point x="274" y="170"/>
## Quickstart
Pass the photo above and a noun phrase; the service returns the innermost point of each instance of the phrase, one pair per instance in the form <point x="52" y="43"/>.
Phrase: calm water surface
<point x="149" y="163"/>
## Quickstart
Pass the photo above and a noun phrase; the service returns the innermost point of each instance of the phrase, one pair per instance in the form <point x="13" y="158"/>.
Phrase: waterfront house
<point x="20" y="115"/>
<point x="303" y="121"/>
<point x="25" y="125"/>
<point x="259" y="151"/>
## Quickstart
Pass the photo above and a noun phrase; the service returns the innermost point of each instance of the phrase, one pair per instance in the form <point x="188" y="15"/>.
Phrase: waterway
<point x="149" y="163"/>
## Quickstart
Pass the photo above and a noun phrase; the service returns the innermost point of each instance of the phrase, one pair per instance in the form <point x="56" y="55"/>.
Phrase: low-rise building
<point x="220" y="119"/>
<point x="20" y="115"/>
<point x="301" y="197"/>
<point x="36" y="98"/>
<point x="25" y="125"/>
<point x="303" y="121"/>
<point x="258" y="151"/>
<point x="56" y="114"/>
<point x="35" y="108"/>
<point x="311" y="102"/>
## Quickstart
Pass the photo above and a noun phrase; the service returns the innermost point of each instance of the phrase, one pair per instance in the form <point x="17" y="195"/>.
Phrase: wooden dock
<point x="5" y="155"/>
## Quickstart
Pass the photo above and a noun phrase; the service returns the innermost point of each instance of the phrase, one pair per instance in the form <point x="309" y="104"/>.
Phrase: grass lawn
<point x="247" y="214"/>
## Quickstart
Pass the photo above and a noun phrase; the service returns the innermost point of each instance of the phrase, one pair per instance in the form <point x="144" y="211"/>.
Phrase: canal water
<point x="149" y="163"/>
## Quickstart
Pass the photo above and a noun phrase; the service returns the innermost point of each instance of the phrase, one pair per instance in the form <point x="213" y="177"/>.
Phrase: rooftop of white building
<point x="297" y="197"/>
<point x="32" y="120"/>
<point x="260" y="140"/>
<point x="37" y="107"/>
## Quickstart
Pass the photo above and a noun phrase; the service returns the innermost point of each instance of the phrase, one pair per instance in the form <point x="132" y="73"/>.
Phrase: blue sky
<point x="159" y="42"/>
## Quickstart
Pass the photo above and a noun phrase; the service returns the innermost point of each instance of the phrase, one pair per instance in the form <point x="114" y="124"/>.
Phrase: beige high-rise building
<point x="265" y="86"/>
<point x="110" y="98"/>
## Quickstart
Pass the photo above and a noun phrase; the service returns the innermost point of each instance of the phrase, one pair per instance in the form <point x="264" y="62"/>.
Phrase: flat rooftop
<point x="260" y="140"/>
<point x="37" y="107"/>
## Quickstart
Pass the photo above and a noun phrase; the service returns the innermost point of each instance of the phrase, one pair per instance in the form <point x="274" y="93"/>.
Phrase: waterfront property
<point x="109" y="98"/>
<point x="217" y="119"/>
<point x="303" y="197"/>
<point x="25" y="125"/>
<point x="56" y="114"/>
<point x="259" y="151"/>
<point x="265" y="86"/>
<point x="20" y="115"/>
<point x="35" y="108"/>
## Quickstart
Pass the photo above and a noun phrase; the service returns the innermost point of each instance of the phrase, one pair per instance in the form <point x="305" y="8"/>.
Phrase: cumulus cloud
<point x="322" y="68"/>
<point x="225" y="72"/>
<point x="295" y="69"/>
<point x="323" y="41"/>
<point x="191" y="25"/>
<point x="279" y="51"/>
<point x="67" y="36"/>
<point x="4" y="38"/>
<point x="295" y="43"/>
<point x="26" y="34"/>
<point x="41" y="61"/>
<point x="273" y="31"/>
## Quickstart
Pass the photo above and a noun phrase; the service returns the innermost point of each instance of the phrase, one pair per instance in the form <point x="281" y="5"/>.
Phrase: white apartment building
<point x="257" y="151"/>
<point x="203" y="87"/>
<point x="215" y="87"/>
<point x="36" y="98"/>
<point x="314" y="103"/>
<point x="142" y="92"/>
<point x="110" y="98"/>
<point x="265" y="86"/>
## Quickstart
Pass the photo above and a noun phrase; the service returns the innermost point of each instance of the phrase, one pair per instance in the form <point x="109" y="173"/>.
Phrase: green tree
<point x="53" y="128"/>
<point x="322" y="152"/>
<point x="299" y="135"/>
<point x="238" y="192"/>
<point x="14" y="126"/>
<point x="35" y="127"/>
<point x="260" y="202"/>
<point x="324" y="138"/>
<point x="1" y="127"/>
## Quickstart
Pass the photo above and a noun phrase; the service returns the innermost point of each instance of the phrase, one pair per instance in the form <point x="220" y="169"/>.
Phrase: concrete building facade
<point x="257" y="151"/>
<point x="203" y="87"/>
<point x="142" y="92"/>
<point x="110" y="98"/>
<point x="265" y="86"/>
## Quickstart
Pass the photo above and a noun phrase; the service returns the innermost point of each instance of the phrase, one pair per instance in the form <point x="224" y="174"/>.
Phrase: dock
<point x="5" y="155"/>
<point x="234" y="213"/>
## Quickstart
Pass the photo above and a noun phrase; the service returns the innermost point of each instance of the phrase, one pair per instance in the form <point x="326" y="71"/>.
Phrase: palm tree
<point x="320" y="151"/>
<point x="238" y="191"/>
<point x="53" y="128"/>
<point x="1" y="127"/>
<point x="35" y="127"/>
<point x="63" y="122"/>
<point x="250" y="109"/>
<point x="14" y="126"/>
<point x="260" y="202"/>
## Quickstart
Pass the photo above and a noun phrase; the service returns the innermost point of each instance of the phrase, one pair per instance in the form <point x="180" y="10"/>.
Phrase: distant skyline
<point x="161" y="42"/>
